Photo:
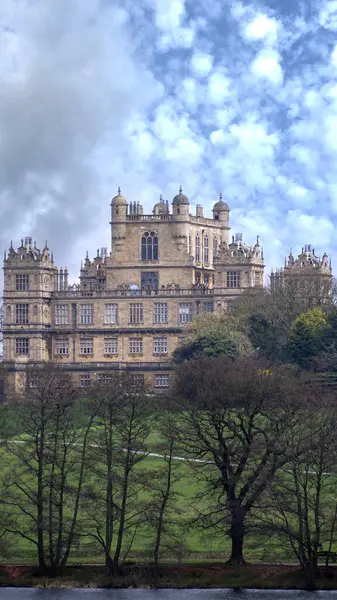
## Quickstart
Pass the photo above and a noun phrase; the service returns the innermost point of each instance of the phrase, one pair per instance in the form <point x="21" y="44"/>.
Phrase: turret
<point x="180" y="204"/>
<point x="221" y="211"/>
<point x="119" y="207"/>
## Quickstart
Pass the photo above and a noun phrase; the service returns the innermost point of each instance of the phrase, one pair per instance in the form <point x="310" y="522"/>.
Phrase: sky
<point x="236" y="97"/>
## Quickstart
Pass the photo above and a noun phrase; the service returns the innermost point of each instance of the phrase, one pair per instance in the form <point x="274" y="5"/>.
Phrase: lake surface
<point x="85" y="594"/>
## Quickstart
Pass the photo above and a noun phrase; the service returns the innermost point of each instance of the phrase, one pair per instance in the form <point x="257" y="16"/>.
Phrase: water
<point x="85" y="594"/>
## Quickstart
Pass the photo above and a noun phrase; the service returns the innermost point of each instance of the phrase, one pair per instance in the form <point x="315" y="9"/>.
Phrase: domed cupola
<point x="119" y="200"/>
<point x="161" y="208"/>
<point x="220" y="205"/>
<point x="181" y="198"/>
<point x="221" y="210"/>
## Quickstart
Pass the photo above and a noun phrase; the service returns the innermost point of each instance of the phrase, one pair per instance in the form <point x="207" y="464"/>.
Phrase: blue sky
<point x="215" y="95"/>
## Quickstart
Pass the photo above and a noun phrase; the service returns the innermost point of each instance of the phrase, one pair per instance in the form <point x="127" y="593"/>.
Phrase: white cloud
<point x="267" y="66"/>
<point x="218" y="88"/>
<point x="201" y="64"/>
<point x="218" y="137"/>
<point x="261" y="28"/>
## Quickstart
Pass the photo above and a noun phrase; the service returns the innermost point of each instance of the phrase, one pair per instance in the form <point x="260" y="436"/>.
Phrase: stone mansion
<point x="131" y="305"/>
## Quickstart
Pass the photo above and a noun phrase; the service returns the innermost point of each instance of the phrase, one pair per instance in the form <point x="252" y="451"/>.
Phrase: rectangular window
<point x="160" y="312"/>
<point x="62" y="314"/>
<point x="136" y="314"/>
<point x="162" y="381"/>
<point x="233" y="279"/>
<point x="86" y="314"/>
<point x="85" y="380"/>
<point x="137" y="382"/>
<point x="86" y="346"/>
<point x="206" y="253"/>
<point x="22" y="283"/>
<point x="160" y="345"/>
<point x="111" y="345"/>
<point x="22" y="345"/>
<point x="104" y="379"/>
<point x="62" y="347"/>
<point x="185" y="312"/>
<point x="135" y="346"/>
<point x="110" y="314"/>
<point x="21" y="314"/>
<point x="197" y="248"/>
<point x="208" y="307"/>
<point x="257" y="278"/>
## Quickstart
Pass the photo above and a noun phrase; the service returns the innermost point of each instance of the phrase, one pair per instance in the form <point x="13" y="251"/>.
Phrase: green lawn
<point x="194" y="544"/>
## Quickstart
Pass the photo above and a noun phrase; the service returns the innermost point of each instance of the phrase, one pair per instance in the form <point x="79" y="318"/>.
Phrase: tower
<point x="30" y="278"/>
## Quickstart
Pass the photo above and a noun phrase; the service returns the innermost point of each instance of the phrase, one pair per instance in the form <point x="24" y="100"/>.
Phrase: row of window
<point x="61" y="348"/>
<point x="136" y="313"/>
<point x="137" y="380"/>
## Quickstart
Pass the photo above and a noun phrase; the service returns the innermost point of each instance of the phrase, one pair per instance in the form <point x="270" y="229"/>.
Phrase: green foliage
<point x="307" y="337"/>
<point x="212" y="336"/>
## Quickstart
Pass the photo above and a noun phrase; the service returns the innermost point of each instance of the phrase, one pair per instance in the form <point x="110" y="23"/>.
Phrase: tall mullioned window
<point x="185" y="312"/>
<point x="85" y="380"/>
<point x="86" y="346"/>
<point x="206" y="253"/>
<point x="190" y="244"/>
<point x="160" y="345"/>
<point x="22" y="345"/>
<point x="110" y="314"/>
<point x="208" y="307"/>
<point x="233" y="279"/>
<point x="197" y="247"/>
<point x="149" y="246"/>
<point x="21" y="314"/>
<point x="62" y="347"/>
<point x="62" y="314"/>
<point x="136" y="313"/>
<point x="135" y="346"/>
<point x="86" y="314"/>
<point x="111" y="345"/>
<point x="160" y="312"/>
<point x="22" y="283"/>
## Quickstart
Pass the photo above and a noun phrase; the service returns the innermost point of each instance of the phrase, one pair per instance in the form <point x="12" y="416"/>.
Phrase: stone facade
<point x="131" y="305"/>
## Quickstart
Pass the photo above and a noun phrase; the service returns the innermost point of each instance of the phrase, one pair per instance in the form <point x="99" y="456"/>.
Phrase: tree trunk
<point x="310" y="570"/>
<point x="237" y="537"/>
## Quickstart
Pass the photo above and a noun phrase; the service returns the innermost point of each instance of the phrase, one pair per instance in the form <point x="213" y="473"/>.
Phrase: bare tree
<point x="236" y="418"/>
<point x="119" y="446"/>
<point x="300" y="505"/>
<point x="46" y="466"/>
<point x="162" y="512"/>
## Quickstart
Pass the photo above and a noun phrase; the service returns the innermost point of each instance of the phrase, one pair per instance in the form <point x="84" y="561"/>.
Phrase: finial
<point x="81" y="265"/>
<point x="97" y="253"/>
<point x="180" y="189"/>
<point x="87" y="254"/>
<point x="257" y="239"/>
<point x="285" y="262"/>
<point x="46" y="244"/>
<point x="119" y="191"/>
<point x="220" y="196"/>
<point x="161" y="198"/>
<point x="34" y="243"/>
<point x="21" y="242"/>
<point x="262" y="253"/>
<point x="52" y="257"/>
<point x="5" y="257"/>
<point x="11" y="246"/>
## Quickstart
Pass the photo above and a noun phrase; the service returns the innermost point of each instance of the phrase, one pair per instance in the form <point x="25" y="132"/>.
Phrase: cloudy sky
<point x="215" y="95"/>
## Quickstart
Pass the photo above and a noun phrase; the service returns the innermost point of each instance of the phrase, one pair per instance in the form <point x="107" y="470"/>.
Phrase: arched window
<point x="215" y="246"/>
<point x="197" y="248"/>
<point x="149" y="246"/>
<point x="206" y="249"/>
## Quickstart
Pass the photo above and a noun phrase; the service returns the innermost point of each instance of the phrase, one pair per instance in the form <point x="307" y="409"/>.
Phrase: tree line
<point x="258" y="442"/>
